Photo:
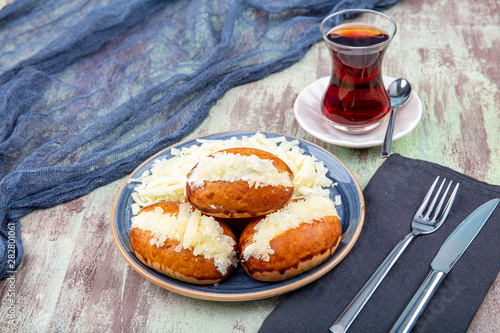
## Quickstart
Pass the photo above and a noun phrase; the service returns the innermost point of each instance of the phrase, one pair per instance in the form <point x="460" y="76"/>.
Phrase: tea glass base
<point x="355" y="129"/>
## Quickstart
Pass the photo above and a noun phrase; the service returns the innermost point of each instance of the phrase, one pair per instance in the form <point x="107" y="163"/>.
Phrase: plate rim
<point x="345" y="143"/>
<point x="212" y="296"/>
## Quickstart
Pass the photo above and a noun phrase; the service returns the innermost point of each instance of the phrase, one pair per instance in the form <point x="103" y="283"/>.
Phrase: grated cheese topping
<point x="166" y="180"/>
<point x="200" y="233"/>
<point x="313" y="207"/>
<point x="224" y="166"/>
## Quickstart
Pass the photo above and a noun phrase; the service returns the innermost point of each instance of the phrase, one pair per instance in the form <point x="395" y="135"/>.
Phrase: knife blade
<point x="449" y="253"/>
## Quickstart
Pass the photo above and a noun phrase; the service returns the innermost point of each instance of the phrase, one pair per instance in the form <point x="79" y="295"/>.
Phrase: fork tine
<point x="441" y="202"/>
<point x="421" y="208"/>
<point x="433" y="203"/>
<point x="449" y="203"/>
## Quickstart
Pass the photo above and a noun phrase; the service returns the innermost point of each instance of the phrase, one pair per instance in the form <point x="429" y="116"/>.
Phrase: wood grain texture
<point x="73" y="278"/>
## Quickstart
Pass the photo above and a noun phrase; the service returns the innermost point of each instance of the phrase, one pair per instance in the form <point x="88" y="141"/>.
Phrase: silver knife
<point x="449" y="253"/>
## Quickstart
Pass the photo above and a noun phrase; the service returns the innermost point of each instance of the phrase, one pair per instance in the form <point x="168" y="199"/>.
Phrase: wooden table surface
<point x="73" y="278"/>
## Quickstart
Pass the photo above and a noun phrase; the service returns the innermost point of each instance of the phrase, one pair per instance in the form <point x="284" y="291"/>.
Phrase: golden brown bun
<point x="296" y="250"/>
<point x="183" y="265"/>
<point x="237" y="199"/>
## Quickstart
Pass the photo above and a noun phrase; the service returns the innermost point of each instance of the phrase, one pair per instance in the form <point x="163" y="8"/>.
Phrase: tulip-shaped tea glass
<point x="356" y="100"/>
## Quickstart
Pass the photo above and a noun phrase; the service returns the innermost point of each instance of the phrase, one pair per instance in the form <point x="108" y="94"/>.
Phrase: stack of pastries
<point x="238" y="208"/>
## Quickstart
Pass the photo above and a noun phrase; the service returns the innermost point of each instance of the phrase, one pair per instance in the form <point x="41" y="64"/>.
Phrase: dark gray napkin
<point x="392" y="197"/>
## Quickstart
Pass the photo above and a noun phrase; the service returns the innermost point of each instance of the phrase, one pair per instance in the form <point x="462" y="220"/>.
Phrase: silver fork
<point x="425" y="221"/>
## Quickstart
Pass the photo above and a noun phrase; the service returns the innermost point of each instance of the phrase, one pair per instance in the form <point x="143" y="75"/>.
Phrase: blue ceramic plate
<point x="239" y="286"/>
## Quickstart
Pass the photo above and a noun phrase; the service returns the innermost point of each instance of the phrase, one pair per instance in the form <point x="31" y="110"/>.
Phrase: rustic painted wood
<point x="73" y="278"/>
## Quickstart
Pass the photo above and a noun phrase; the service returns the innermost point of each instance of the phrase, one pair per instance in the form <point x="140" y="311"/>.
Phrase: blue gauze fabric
<point x="90" y="89"/>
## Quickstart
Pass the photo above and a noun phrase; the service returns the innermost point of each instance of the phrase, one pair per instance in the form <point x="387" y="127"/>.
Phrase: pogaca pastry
<point x="242" y="187"/>
<point x="177" y="240"/>
<point x="290" y="241"/>
<point x="239" y="183"/>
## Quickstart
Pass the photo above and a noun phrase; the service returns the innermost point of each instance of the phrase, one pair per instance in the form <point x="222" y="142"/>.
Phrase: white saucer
<point x="308" y="113"/>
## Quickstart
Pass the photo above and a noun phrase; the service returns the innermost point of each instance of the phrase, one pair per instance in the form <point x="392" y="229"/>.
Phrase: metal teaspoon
<point x="399" y="92"/>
